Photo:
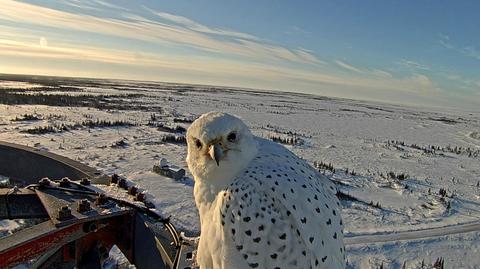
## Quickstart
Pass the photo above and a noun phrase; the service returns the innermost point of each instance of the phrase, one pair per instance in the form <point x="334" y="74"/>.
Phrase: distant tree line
<point x="153" y="122"/>
<point x="432" y="149"/>
<point x="323" y="166"/>
<point x="58" y="128"/>
<point x="287" y="140"/>
<point x="393" y="175"/>
<point x="289" y="133"/>
<point x="17" y="97"/>
<point x="162" y="127"/>
<point x="27" y="117"/>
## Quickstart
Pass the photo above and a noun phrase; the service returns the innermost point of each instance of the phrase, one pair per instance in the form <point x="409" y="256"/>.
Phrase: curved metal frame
<point x="147" y="240"/>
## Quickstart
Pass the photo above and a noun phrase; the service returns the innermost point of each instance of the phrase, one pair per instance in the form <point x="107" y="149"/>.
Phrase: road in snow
<point x="411" y="235"/>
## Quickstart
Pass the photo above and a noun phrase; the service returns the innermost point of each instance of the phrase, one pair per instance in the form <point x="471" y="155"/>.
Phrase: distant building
<point x="164" y="169"/>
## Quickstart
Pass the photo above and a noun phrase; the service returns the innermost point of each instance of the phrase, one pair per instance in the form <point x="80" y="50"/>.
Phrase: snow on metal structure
<point x="81" y="223"/>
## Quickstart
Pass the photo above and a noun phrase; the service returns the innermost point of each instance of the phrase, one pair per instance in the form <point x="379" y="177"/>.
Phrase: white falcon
<point x="260" y="205"/>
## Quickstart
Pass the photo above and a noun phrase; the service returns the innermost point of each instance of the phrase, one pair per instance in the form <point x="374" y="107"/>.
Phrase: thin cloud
<point x="80" y="5"/>
<point x="381" y="73"/>
<point x="468" y="83"/>
<point x="348" y="67"/>
<point x="108" y="5"/>
<point x="445" y="41"/>
<point x="471" y="52"/>
<point x="195" y="26"/>
<point x="308" y="56"/>
<point x="295" y="30"/>
<point x="468" y="51"/>
<point x="412" y="65"/>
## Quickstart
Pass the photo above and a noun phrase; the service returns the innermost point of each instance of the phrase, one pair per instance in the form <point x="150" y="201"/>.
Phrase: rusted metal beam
<point x="38" y="240"/>
<point x="33" y="242"/>
<point x="93" y="248"/>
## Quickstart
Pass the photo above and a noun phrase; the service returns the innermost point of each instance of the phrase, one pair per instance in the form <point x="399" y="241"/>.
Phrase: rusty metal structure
<point x="76" y="223"/>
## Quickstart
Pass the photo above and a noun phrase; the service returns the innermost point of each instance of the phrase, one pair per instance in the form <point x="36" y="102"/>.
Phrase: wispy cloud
<point x="295" y="30"/>
<point x="373" y="73"/>
<point x="80" y="5"/>
<point x="445" y="41"/>
<point x="348" y="66"/>
<point x="381" y="73"/>
<point x="412" y="65"/>
<point x="467" y="83"/>
<point x="308" y="56"/>
<point x="469" y="51"/>
<point x="96" y="5"/>
<point x="195" y="26"/>
<point x="106" y="4"/>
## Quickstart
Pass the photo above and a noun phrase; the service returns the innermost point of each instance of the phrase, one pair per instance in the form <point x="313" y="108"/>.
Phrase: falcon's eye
<point x="198" y="143"/>
<point x="232" y="137"/>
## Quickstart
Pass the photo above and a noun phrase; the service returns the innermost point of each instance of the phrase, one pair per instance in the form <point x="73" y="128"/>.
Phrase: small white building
<point x="166" y="170"/>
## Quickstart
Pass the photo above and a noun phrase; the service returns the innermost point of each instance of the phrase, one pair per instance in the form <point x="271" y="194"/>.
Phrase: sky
<point x="416" y="53"/>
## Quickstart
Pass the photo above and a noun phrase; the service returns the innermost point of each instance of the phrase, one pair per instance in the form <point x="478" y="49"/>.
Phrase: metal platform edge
<point x="27" y="163"/>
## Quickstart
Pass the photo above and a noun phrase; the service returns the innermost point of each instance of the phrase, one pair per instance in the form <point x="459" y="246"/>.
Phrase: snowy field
<point x="401" y="169"/>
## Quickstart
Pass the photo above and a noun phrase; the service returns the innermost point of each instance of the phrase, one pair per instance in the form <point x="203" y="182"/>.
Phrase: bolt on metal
<point x="44" y="182"/>
<point x="64" y="213"/>
<point x="83" y="206"/>
<point x="132" y="190"/>
<point x="114" y="179"/>
<point x="122" y="183"/>
<point x="140" y="197"/>
<point x="85" y="181"/>
<point x="65" y="182"/>
<point x="101" y="199"/>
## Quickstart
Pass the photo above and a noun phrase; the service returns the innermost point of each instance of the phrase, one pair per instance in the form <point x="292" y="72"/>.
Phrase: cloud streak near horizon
<point x="186" y="51"/>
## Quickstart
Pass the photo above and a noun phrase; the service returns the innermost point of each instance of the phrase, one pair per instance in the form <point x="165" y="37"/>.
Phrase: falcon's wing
<point x="282" y="213"/>
<point x="261" y="233"/>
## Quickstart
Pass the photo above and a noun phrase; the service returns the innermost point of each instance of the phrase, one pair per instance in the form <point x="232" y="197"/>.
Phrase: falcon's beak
<point x="215" y="151"/>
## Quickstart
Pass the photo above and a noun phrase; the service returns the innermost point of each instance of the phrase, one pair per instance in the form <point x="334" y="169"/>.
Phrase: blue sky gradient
<point x="423" y="53"/>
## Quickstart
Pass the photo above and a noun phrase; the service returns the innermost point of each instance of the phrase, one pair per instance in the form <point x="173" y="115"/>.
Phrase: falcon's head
<point x="219" y="147"/>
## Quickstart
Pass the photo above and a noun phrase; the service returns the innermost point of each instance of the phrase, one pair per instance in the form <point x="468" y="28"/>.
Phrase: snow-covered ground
<point x="434" y="154"/>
